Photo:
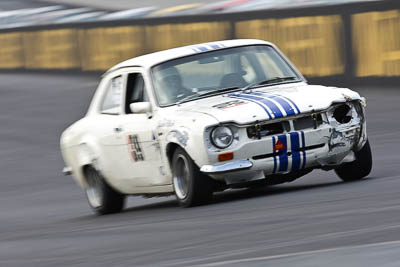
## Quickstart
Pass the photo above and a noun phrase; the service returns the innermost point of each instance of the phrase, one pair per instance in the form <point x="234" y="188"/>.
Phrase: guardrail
<point x="346" y="42"/>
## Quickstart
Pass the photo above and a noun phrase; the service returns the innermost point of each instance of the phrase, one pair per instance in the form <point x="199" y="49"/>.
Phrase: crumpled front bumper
<point x="238" y="165"/>
<point x="325" y="147"/>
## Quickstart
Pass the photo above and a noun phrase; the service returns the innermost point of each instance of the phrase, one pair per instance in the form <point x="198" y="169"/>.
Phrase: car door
<point x="140" y="160"/>
<point x="107" y="125"/>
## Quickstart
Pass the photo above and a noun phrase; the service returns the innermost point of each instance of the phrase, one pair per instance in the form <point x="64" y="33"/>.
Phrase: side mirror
<point x="140" y="107"/>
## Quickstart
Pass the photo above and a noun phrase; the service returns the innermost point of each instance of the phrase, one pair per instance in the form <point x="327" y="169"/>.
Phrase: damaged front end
<point x="282" y="150"/>
<point x="347" y="133"/>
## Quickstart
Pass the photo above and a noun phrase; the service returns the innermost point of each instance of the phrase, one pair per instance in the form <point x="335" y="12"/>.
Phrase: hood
<point x="270" y="102"/>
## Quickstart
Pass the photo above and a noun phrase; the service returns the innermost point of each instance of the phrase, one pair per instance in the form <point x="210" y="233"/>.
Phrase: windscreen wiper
<point x="211" y="92"/>
<point x="269" y="81"/>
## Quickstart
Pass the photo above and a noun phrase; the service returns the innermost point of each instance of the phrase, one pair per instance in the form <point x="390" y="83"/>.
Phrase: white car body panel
<point x="108" y="142"/>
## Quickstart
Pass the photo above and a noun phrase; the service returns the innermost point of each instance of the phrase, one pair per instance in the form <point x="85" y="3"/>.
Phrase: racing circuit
<point x="315" y="221"/>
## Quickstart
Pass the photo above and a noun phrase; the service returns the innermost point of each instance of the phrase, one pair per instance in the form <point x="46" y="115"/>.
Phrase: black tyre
<point x="359" y="168"/>
<point x="190" y="185"/>
<point x="101" y="197"/>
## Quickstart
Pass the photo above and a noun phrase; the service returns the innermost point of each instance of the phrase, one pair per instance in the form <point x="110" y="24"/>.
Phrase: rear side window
<point x="113" y="97"/>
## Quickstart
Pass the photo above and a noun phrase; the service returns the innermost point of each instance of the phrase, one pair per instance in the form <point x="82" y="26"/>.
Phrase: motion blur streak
<point x="11" y="52"/>
<point x="313" y="44"/>
<point x="101" y="48"/>
<point x="53" y="49"/>
<point x="166" y="36"/>
<point x="376" y="43"/>
<point x="347" y="40"/>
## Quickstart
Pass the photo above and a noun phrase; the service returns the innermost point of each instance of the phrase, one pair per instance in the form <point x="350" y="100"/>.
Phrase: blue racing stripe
<point x="238" y="96"/>
<point x="304" y="152"/>
<point x="215" y="46"/>
<point x="295" y="145"/>
<point x="286" y="98"/>
<point x="291" y="101"/>
<point x="273" y="150"/>
<point x="288" y="109"/>
<point x="283" y="158"/>
<point x="271" y="105"/>
<point x="282" y="101"/>
<point x="202" y="48"/>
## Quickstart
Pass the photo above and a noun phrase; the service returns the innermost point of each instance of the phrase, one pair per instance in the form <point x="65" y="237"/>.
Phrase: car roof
<point x="152" y="59"/>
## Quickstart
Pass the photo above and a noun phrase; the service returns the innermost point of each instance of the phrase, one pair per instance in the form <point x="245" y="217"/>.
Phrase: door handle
<point x="118" y="129"/>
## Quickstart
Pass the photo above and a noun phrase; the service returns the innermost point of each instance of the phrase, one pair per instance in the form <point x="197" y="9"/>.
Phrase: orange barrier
<point x="11" y="52"/>
<point x="51" y="49"/>
<point x="314" y="44"/>
<point x="165" y="36"/>
<point x="101" y="48"/>
<point x="356" y="40"/>
<point x="376" y="43"/>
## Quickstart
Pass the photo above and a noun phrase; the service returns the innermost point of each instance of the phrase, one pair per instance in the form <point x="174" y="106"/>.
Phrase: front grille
<point x="307" y="122"/>
<point x="261" y="130"/>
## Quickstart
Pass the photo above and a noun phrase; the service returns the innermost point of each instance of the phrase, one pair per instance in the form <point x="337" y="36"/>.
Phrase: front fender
<point x="187" y="131"/>
<point x="191" y="141"/>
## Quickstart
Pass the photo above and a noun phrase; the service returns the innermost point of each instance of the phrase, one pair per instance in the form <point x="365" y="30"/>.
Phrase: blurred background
<point x="51" y="55"/>
<point x="344" y="39"/>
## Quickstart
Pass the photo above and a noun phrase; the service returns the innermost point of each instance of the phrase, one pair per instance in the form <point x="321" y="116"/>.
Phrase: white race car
<point x="202" y="118"/>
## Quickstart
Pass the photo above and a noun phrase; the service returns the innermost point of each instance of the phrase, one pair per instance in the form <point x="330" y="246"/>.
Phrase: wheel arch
<point x="83" y="155"/>
<point x="84" y="169"/>
<point x="170" y="150"/>
<point x="190" y="141"/>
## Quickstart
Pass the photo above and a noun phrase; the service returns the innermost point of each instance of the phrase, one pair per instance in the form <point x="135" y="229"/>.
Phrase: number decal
<point x="135" y="149"/>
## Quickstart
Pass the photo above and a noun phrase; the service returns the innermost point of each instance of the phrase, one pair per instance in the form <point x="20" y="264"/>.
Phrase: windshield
<point x="195" y="76"/>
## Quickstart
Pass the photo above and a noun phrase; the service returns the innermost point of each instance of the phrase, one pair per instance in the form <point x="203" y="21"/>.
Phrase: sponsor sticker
<point x="135" y="150"/>
<point x="230" y="104"/>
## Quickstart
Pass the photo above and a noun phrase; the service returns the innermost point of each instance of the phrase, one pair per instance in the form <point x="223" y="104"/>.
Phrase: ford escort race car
<point x="198" y="119"/>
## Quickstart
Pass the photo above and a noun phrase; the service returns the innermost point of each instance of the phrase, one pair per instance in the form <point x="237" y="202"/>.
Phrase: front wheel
<point x="101" y="197"/>
<point x="190" y="185"/>
<point x="359" y="168"/>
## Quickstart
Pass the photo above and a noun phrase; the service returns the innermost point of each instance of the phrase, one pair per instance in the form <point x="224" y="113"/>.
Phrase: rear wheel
<point x="101" y="197"/>
<point x="190" y="185"/>
<point x="359" y="168"/>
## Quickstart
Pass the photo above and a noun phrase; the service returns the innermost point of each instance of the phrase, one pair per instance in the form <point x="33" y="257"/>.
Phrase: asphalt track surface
<point x="316" y="221"/>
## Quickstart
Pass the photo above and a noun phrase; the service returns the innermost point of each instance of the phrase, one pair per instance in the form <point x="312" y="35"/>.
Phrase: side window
<point x="113" y="97"/>
<point x="135" y="90"/>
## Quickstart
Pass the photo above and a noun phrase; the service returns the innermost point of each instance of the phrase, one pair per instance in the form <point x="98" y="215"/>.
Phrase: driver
<point x="170" y="88"/>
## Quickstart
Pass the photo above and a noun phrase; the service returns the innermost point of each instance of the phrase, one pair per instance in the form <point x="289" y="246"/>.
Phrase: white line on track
<point x="302" y="253"/>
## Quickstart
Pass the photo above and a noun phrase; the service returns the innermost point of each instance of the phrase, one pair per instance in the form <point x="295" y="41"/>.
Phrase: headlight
<point x="222" y="136"/>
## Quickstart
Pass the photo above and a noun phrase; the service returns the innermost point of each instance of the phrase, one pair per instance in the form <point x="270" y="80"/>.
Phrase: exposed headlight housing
<point x="222" y="136"/>
<point x="342" y="113"/>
